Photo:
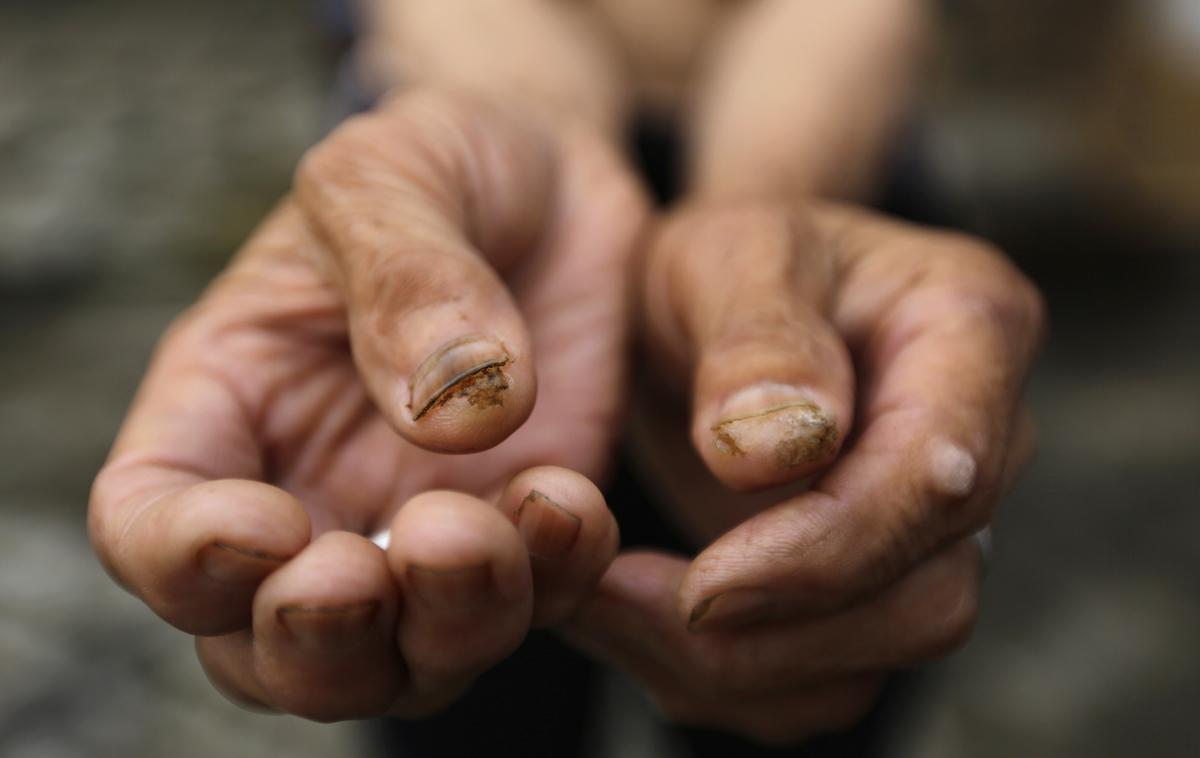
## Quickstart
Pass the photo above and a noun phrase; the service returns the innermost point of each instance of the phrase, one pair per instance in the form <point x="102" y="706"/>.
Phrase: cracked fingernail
<point x="329" y="627"/>
<point x="730" y="609"/>
<point x="470" y="368"/>
<point x="451" y="590"/>
<point x="231" y="564"/>
<point x="777" y="421"/>
<point x="549" y="530"/>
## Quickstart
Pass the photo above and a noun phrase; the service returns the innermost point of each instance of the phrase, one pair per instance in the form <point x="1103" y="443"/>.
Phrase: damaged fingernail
<point x="329" y="627"/>
<point x="730" y="609"/>
<point x="549" y="530"/>
<point x="232" y="564"/>
<point x="469" y="368"/>
<point x="775" y="421"/>
<point x="451" y="590"/>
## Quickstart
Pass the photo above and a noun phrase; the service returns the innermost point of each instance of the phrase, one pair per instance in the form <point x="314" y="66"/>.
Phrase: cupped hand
<point x="854" y="389"/>
<point x="441" y="263"/>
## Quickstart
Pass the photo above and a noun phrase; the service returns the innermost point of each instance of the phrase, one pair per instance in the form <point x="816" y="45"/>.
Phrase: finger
<point x="739" y="295"/>
<point x="569" y="532"/>
<point x="944" y="362"/>
<point x="924" y="616"/>
<point x="228" y="662"/>
<point x="468" y="597"/>
<point x="420" y="204"/>
<point x="630" y="624"/>
<point x="177" y="514"/>
<point x="174" y="516"/>
<point x="324" y="643"/>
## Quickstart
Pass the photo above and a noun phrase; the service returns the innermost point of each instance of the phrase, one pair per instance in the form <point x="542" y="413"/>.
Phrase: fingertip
<point x="197" y="557"/>
<point x="468" y="595"/>
<point x="324" y="632"/>
<point x="569" y="532"/>
<point x="442" y="533"/>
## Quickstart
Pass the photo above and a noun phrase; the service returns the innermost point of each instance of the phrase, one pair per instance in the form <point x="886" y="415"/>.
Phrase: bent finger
<point x="569" y="532"/>
<point x="464" y="575"/>
<point x="324" y="632"/>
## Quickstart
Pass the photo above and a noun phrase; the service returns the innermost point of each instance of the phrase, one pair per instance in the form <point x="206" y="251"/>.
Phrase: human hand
<point x="436" y="256"/>
<point x="785" y="321"/>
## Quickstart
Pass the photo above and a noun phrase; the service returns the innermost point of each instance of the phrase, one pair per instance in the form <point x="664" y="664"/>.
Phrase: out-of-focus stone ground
<point x="140" y="141"/>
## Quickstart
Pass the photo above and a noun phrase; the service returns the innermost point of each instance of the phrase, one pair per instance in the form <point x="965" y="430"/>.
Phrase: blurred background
<point x="140" y="142"/>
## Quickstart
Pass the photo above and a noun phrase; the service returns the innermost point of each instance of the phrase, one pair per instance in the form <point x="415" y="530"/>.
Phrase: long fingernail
<point x="775" y="420"/>
<point x="469" y="368"/>
<point x="231" y="564"/>
<point x="452" y="590"/>
<point x="730" y="609"/>
<point x="549" y="530"/>
<point x="329" y="627"/>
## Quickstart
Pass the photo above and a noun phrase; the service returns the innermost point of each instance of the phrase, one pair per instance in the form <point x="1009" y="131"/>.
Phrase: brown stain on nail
<point x="725" y="441"/>
<point x="808" y="434"/>
<point x="793" y="451"/>
<point x="482" y="386"/>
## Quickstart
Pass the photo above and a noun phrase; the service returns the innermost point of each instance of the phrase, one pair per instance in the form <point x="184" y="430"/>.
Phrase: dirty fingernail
<point x="232" y="564"/>
<point x="329" y="627"/>
<point x="469" y="369"/>
<point x="549" y="530"/>
<point x="451" y="590"/>
<point x="776" y="421"/>
<point x="729" y="609"/>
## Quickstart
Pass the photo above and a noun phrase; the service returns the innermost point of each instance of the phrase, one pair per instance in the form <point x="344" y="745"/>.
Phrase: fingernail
<point x="329" y="627"/>
<point x="729" y="609"/>
<point x="451" y="590"/>
<point x="469" y="368"/>
<point x="231" y="564"/>
<point x="775" y="420"/>
<point x="549" y="530"/>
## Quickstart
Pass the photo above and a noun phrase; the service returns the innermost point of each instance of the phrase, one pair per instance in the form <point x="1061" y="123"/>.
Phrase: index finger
<point x="943" y="329"/>
<point x="179" y="514"/>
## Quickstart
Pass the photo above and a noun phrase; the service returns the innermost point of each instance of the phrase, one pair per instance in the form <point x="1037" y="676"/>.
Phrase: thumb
<point x="420" y="205"/>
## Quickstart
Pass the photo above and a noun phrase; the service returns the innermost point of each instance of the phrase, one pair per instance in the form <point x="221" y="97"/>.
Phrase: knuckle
<point x="983" y="281"/>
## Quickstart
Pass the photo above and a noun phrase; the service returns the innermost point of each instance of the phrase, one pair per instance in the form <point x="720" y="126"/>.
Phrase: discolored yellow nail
<point x="470" y="368"/>
<point x="765" y="421"/>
